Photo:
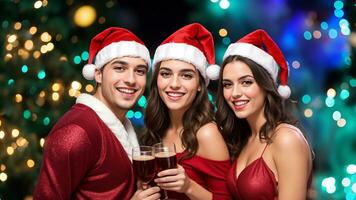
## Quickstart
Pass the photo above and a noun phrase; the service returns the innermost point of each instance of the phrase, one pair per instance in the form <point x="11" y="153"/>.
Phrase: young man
<point x="87" y="154"/>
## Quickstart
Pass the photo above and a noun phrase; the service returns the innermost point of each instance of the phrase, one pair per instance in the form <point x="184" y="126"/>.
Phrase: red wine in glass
<point x="165" y="155"/>
<point x="144" y="164"/>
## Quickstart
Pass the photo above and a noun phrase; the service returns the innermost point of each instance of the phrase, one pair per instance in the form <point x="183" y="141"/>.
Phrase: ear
<point x="98" y="74"/>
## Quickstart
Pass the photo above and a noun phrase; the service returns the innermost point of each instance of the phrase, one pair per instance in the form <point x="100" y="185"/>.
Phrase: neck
<point x="256" y="122"/>
<point x="119" y="113"/>
<point x="176" y="120"/>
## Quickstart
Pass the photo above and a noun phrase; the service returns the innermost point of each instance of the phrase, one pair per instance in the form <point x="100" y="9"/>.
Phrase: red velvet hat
<point x="260" y="47"/>
<point x="112" y="43"/>
<point x="193" y="44"/>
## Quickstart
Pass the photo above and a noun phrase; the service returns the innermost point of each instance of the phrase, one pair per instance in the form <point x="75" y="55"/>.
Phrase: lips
<point x="126" y="91"/>
<point x="240" y="104"/>
<point x="175" y="95"/>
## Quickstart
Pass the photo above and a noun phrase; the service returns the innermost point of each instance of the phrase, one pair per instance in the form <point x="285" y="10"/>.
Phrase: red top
<point x="256" y="181"/>
<point x="210" y="174"/>
<point x="83" y="159"/>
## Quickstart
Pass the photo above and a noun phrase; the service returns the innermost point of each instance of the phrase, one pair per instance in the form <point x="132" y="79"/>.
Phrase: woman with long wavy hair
<point x="272" y="158"/>
<point x="178" y="111"/>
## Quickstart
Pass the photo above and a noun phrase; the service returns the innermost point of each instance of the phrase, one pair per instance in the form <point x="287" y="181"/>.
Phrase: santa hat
<point x="193" y="44"/>
<point x="259" y="47"/>
<point x="113" y="43"/>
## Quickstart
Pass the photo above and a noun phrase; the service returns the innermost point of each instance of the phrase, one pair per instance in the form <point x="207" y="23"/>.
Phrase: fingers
<point x="148" y="194"/>
<point x="171" y="172"/>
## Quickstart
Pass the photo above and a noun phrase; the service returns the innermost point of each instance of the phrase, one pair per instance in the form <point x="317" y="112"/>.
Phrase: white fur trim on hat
<point x="213" y="72"/>
<point x="284" y="91"/>
<point x="89" y="71"/>
<point x="256" y="54"/>
<point x="121" y="49"/>
<point x="183" y="52"/>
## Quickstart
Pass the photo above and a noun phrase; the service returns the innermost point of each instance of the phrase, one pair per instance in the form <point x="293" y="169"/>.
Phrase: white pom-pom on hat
<point x="213" y="71"/>
<point x="89" y="71"/>
<point x="284" y="91"/>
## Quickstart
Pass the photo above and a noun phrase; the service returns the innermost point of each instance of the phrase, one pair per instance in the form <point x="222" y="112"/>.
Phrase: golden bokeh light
<point x="12" y="38"/>
<point x="3" y="177"/>
<point x="2" y="135"/>
<point x="55" y="96"/>
<point x="30" y="163"/>
<point x="18" y="98"/>
<point x="17" y="26"/>
<point x="36" y="54"/>
<point x="10" y="150"/>
<point x="222" y="32"/>
<point x="15" y="133"/>
<point x="33" y="30"/>
<point x="89" y="88"/>
<point x="42" y="141"/>
<point x="28" y="45"/>
<point x="76" y="85"/>
<point x="84" y="16"/>
<point x="56" y="87"/>
<point x="46" y="37"/>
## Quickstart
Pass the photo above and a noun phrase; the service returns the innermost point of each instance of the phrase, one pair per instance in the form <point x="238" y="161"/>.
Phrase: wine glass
<point x="165" y="155"/>
<point x="144" y="165"/>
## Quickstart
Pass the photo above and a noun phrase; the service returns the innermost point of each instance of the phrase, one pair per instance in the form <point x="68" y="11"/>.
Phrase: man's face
<point x="120" y="83"/>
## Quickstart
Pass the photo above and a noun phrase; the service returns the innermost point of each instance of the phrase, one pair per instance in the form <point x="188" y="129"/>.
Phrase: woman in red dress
<point x="179" y="112"/>
<point x="272" y="157"/>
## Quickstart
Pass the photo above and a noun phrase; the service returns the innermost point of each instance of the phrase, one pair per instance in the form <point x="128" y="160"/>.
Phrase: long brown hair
<point x="157" y="118"/>
<point x="237" y="131"/>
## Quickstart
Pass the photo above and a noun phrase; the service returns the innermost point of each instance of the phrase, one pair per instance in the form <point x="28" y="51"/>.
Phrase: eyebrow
<point x="242" y="77"/>
<point x="183" y="70"/>
<point x="126" y="64"/>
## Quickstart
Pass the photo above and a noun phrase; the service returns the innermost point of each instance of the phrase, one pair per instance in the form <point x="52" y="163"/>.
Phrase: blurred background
<point x="44" y="45"/>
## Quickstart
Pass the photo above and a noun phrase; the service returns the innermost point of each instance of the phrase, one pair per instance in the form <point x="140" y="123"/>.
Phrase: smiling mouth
<point x="240" y="103"/>
<point x="175" y="94"/>
<point x="126" y="90"/>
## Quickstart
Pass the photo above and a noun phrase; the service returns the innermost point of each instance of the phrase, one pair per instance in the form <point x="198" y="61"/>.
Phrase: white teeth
<point x="240" y="103"/>
<point x="128" y="91"/>
<point x="174" y="94"/>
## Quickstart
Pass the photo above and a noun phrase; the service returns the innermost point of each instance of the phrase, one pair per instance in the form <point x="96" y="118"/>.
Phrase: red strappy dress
<point x="255" y="182"/>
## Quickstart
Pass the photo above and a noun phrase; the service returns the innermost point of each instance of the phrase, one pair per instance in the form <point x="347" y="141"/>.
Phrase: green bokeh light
<point x="41" y="74"/>
<point x="85" y="55"/>
<point x="138" y="115"/>
<point x="344" y="94"/>
<point x="46" y="121"/>
<point x="130" y="114"/>
<point x="26" y="114"/>
<point x="24" y="68"/>
<point x="306" y="99"/>
<point x="142" y="102"/>
<point x="77" y="59"/>
<point x="10" y="81"/>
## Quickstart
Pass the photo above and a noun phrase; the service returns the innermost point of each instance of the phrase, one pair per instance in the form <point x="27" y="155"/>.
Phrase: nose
<point x="236" y="93"/>
<point x="130" y="78"/>
<point x="175" y="82"/>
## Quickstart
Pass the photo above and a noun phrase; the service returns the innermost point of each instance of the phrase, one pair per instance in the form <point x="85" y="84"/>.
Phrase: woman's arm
<point x="292" y="157"/>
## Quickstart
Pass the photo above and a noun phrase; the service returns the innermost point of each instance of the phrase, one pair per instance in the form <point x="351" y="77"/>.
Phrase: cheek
<point x="161" y="83"/>
<point x="226" y="94"/>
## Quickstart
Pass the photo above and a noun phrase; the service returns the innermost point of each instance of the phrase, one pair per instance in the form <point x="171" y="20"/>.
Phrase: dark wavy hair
<point x="157" y="118"/>
<point x="237" y="131"/>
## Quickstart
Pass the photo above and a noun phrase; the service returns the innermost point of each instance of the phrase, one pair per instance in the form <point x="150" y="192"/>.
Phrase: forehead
<point x="236" y="69"/>
<point x="177" y="65"/>
<point x="131" y="61"/>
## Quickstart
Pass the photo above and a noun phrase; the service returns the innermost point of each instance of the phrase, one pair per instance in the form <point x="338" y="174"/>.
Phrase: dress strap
<point x="264" y="150"/>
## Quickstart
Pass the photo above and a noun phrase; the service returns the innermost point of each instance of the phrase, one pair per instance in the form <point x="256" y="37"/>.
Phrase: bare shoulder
<point x="288" y="139"/>
<point x="211" y="143"/>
